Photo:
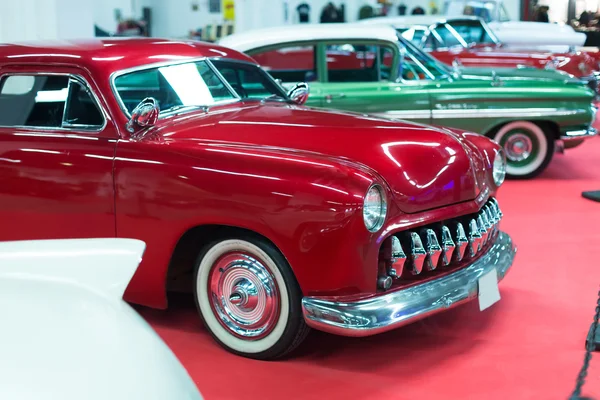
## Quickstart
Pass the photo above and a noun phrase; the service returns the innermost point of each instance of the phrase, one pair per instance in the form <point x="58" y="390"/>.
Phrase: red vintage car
<point x="276" y="216"/>
<point x="470" y="42"/>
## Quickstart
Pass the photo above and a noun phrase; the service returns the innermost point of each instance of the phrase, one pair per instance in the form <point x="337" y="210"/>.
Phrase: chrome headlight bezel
<point x="499" y="168"/>
<point x="374" y="214"/>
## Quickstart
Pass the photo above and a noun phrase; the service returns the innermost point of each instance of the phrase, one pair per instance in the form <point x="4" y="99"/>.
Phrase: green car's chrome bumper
<point x="579" y="134"/>
<point x="394" y="309"/>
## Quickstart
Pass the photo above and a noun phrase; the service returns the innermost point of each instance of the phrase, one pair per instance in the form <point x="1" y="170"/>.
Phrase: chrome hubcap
<point x="518" y="147"/>
<point x="244" y="295"/>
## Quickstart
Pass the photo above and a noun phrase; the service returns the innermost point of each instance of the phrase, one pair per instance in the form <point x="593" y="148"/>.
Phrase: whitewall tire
<point x="248" y="298"/>
<point x="527" y="147"/>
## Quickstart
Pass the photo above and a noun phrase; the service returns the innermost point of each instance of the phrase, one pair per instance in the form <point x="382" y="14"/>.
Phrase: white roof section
<point x="407" y="21"/>
<point x="249" y="40"/>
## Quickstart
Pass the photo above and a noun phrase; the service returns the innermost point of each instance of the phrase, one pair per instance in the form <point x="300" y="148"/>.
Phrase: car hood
<point x="424" y="167"/>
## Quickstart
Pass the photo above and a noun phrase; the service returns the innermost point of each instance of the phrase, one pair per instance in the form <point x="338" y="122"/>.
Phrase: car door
<point x="368" y="77"/>
<point x="57" y="149"/>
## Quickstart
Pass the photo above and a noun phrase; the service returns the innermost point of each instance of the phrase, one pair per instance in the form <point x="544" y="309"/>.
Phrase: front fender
<point x="308" y="205"/>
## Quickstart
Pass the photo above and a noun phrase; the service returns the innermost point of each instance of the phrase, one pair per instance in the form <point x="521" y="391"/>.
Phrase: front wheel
<point x="527" y="147"/>
<point x="248" y="298"/>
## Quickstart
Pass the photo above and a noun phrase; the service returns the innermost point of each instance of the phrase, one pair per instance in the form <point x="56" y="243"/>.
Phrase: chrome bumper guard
<point x="394" y="309"/>
<point x="579" y="134"/>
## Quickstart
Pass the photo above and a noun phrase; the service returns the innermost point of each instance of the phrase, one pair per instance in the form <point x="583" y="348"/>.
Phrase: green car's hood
<point x="520" y="74"/>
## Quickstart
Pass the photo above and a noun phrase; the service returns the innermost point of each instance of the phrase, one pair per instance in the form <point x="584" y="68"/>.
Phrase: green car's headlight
<point x="374" y="208"/>
<point x="499" y="168"/>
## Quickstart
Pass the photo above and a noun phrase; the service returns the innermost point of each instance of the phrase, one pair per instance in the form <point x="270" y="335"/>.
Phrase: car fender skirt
<point x="391" y="310"/>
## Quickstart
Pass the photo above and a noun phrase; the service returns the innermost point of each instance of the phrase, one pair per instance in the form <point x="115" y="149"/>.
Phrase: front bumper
<point x="392" y="310"/>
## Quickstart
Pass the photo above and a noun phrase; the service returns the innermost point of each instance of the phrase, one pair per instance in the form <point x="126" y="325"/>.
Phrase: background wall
<point x="51" y="19"/>
<point x="175" y="18"/>
<point x="45" y="19"/>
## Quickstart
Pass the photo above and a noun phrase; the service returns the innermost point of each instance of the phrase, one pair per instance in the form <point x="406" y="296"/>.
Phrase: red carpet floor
<point x="530" y="345"/>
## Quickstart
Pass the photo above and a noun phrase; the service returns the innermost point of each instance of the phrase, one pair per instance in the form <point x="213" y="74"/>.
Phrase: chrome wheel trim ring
<point x="243" y="295"/>
<point x="518" y="147"/>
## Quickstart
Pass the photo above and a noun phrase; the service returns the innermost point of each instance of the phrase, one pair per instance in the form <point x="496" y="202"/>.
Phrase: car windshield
<point x="415" y="64"/>
<point x="196" y="84"/>
<point x="471" y="31"/>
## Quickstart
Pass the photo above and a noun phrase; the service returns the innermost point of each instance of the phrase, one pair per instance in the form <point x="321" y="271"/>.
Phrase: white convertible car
<point x="513" y="34"/>
<point x="66" y="332"/>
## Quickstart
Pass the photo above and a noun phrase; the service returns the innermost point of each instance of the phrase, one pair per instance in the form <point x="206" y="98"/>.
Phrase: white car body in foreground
<point x="66" y="332"/>
<point x="513" y="34"/>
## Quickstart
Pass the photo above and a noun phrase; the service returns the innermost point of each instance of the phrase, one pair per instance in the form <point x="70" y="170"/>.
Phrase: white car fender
<point x="66" y="332"/>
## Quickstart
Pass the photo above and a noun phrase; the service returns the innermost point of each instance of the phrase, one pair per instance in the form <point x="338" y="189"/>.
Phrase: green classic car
<point x="369" y="69"/>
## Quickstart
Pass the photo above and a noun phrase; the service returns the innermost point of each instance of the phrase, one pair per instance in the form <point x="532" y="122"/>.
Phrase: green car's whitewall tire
<point x="527" y="147"/>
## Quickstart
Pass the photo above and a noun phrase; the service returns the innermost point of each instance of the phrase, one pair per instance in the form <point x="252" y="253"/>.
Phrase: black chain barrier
<point x="590" y="347"/>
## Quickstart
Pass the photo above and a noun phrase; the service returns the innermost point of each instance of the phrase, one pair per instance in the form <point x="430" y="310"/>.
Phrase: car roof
<point x="306" y="32"/>
<point x="413" y="20"/>
<point x="112" y="54"/>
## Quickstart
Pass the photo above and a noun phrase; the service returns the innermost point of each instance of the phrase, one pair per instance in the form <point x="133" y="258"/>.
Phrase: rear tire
<point x="527" y="146"/>
<point x="248" y="298"/>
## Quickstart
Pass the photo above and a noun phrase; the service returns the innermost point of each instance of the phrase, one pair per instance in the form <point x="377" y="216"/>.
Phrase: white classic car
<point x="66" y="332"/>
<point x="513" y="34"/>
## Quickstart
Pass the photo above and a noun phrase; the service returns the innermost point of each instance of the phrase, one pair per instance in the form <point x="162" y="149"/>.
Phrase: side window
<point x="503" y="14"/>
<point x="290" y="64"/>
<point x="357" y="63"/>
<point x="49" y="101"/>
<point x="82" y="110"/>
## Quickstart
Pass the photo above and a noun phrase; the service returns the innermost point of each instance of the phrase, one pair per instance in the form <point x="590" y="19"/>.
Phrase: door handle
<point x="329" y="98"/>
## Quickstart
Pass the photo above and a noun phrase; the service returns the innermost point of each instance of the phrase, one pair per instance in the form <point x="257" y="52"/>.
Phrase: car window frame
<point x="70" y="127"/>
<point x="162" y="115"/>
<point x="322" y="56"/>
<point x="311" y="43"/>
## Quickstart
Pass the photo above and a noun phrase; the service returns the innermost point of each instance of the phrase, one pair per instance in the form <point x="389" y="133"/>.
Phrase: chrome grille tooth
<point x="418" y="254"/>
<point x="462" y="243"/>
<point x="487" y="211"/>
<point x="497" y="206"/>
<point x="474" y="238"/>
<point x="433" y="249"/>
<point x="482" y="230"/>
<point x="398" y="259"/>
<point x="447" y="246"/>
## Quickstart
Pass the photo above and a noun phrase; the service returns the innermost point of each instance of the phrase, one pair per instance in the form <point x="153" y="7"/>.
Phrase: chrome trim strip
<point x="479" y="113"/>
<point x="394" y="309"/>
<point x="504" y="112"/>
<point x="408" y="114"/>
<point x="578" y="134"/>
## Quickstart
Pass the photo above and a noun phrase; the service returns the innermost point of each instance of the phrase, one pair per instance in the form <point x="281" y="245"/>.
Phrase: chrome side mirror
<point x="144" y="115"/>
<point x="299" y="93"/>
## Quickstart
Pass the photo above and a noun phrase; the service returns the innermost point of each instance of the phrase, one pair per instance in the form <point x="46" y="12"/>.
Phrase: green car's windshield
<point x="417" y="65"/>
<point x="196" y="84"/>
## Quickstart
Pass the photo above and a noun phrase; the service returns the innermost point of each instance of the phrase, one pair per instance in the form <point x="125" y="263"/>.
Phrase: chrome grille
<point x="441" y="246"/>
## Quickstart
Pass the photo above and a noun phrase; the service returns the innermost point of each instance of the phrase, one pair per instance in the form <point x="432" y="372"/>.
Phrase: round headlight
<point x="499" y="168"/>
<point x="374" y="208"/>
